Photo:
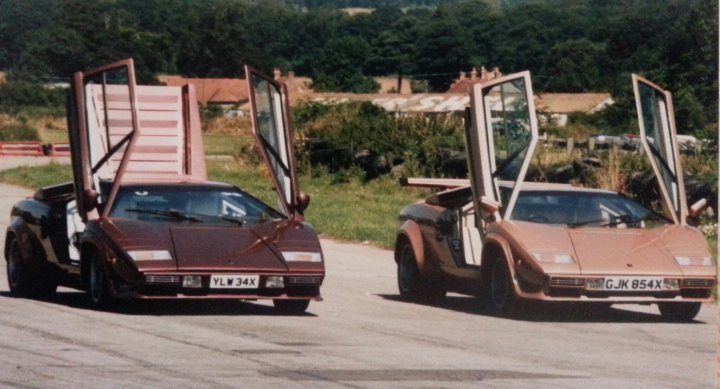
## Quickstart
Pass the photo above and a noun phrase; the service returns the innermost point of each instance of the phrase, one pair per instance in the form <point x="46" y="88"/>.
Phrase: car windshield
<point x="578" y="209"/>
<point x="191" y="204"/>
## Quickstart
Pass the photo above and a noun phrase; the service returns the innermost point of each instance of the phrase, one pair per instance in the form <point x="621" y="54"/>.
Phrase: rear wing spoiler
<point x="434" y="183"/>
<point x="449" y="190"/>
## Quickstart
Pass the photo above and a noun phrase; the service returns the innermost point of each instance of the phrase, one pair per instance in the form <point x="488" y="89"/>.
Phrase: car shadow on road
<point x="545" y="312"/>
<point x="79" y="300"/>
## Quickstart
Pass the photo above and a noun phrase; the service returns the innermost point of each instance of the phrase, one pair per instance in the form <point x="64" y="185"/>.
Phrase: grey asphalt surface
<point x="361" y="336"/>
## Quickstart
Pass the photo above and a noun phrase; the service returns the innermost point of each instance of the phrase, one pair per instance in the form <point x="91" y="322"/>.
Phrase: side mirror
<point x="303" y="200"/>
<point x="697" y="208"/>
<point x="90" y="199"/>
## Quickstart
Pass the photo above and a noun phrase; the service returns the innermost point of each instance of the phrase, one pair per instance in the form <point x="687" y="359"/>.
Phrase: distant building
<point x="398" y="103"/>
<point x="295" y="85"/>
<point x="558" y="106"/>
<point x="549" y="105"/>
<point x="227" y="93"/>
<point x="466" y="80"/>
<point x="353" y="11"/>
<point x="232" y="95"/>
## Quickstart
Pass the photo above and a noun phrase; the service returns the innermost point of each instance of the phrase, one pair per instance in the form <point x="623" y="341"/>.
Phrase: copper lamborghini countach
<point x="506" y="240"/>
<point x="141" y="220"/>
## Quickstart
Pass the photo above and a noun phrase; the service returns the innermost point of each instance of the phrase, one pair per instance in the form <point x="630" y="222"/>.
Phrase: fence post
<point x="570" y="145"/>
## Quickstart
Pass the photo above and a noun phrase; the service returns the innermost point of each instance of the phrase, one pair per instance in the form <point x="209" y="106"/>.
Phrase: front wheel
<point x="500" y="294"/>
<point x="293" y="307"/>
<point x="98" y="285"/>
<point x="411" y="283"/>
<point x="679" y="312"/>
<point x="17" y="272"/>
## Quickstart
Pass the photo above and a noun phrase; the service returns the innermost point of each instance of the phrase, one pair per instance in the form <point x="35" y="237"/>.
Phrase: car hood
<point x="196" y="247"/>
<point x="626" y="251"/>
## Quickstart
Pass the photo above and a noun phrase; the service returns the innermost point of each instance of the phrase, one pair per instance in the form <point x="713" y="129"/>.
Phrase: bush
<point x="367" y="136"/>
<point x="32" y="99"/>
<point x="14" y="129"/>
<point x="210" y="112"/>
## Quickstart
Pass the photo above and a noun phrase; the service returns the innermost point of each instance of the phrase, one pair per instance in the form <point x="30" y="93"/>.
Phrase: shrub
<point x="365" y="135"/>
<point x="32" y="99"/>
<point x="16" y="129"/>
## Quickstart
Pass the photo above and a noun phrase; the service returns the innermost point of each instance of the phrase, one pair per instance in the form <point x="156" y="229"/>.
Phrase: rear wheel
<point x="17" y="272"/>
<point x="500" y="294"/>
<point x="294" y="307"/>
<point x="411" y="283"/>
<point x="23" y="279"/>
<point x="679" y="312"/>
<point x="97" y="283"/>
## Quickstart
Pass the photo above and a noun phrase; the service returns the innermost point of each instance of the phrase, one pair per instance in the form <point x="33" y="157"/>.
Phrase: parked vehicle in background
<point x="506" y="240"/>
<point x="141" y="220"/>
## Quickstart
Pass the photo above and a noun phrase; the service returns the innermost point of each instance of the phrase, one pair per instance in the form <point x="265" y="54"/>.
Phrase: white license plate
<point x="633" y="283"/>
<point x="234" y="281"/>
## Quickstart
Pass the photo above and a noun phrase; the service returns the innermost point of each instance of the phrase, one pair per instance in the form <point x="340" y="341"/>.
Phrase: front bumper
<point x="580" y="288"/>
<point x="169" y="285"/>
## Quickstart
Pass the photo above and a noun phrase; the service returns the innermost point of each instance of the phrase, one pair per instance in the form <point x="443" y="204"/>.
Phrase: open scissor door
<point x="501" y="138"/>
<point x="658" y="136"/>
<point x="273" y="133"/>
<point x="103" y="123"/>
<point x="123" y="131"/>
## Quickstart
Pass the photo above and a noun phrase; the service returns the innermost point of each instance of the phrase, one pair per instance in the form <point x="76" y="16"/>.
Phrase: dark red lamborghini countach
<point x="142" y="221"/>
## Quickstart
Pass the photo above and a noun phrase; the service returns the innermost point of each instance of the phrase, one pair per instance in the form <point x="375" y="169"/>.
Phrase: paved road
<point x="360" y="336"/>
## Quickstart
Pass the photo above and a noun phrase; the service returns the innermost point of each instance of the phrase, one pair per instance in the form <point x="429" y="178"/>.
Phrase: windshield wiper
<point x="614" y="221"/>
<point x="171" y="213"/>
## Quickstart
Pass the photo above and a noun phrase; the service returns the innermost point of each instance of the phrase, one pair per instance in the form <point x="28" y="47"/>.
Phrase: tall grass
<point x="14" y="128"/>
<point x="347" y="209"/>
<point x="37" y="176"/>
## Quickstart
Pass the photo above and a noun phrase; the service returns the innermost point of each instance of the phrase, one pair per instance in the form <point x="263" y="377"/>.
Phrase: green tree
<point x="573" y="66"/>
<point x="339" y="68"/>
<point x="444" y="48"/>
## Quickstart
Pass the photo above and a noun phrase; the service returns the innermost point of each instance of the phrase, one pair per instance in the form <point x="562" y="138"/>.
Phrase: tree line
<point x="568" y="45"/>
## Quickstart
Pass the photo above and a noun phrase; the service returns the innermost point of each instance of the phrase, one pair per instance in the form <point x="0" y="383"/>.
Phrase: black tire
<point x="500" y="293"/>
<point x="411" y="283"/>
<point x="293" y="307"/>
<point x="23" y="280"/>
<point x="18" y="275"/>
<point x="679" y="312"/>
<point x="98" y="288"/>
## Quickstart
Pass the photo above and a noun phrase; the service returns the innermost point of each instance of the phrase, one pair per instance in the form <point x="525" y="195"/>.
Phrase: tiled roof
<point x="456" y="102"/>
<point x="572" y="102"/>
<point x="466" y="80"/>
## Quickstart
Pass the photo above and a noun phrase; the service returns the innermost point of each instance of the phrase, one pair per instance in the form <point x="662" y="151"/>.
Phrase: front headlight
<point x="562" y="259"/>
<point x="301" y="256"/>
<point x="150" y="255"/>
<point x="683" y="260"/>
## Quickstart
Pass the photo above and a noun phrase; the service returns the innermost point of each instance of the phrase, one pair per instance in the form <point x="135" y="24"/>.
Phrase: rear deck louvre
<point x="161" y="133"/>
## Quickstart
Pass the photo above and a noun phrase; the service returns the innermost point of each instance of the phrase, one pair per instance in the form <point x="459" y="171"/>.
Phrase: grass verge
<point x="349" y="210"/>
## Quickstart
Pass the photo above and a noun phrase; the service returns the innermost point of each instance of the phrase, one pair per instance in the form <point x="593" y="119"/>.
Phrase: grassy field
<point x="350" y="210"/>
